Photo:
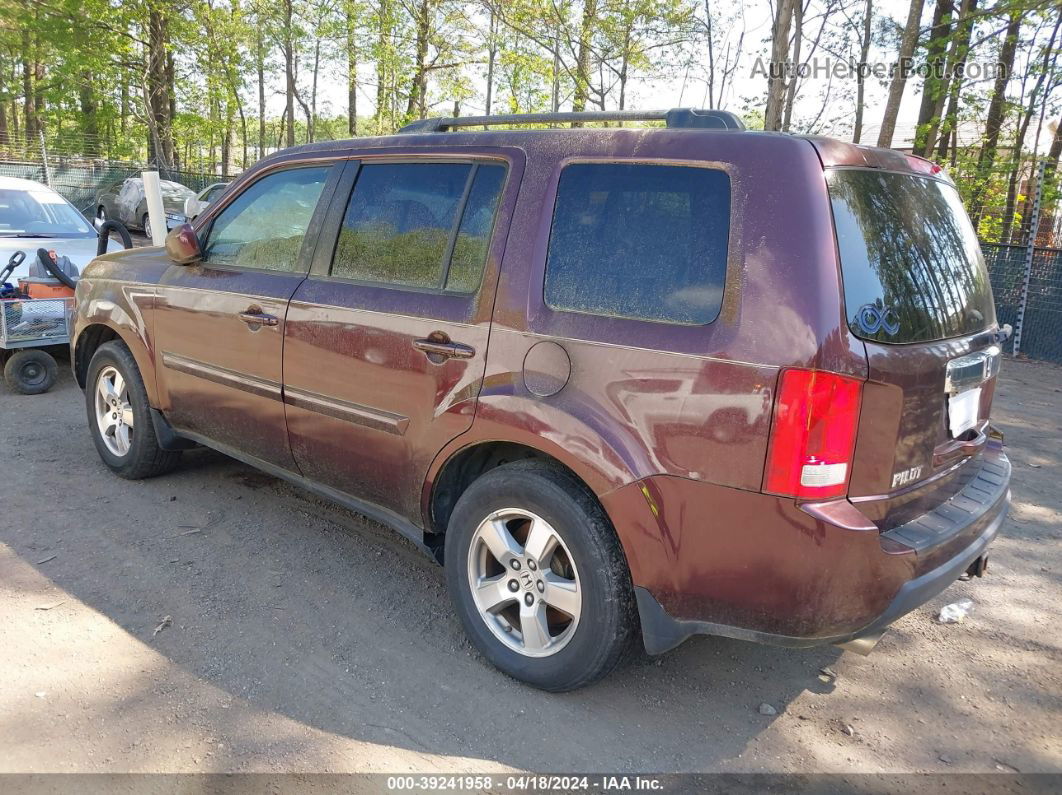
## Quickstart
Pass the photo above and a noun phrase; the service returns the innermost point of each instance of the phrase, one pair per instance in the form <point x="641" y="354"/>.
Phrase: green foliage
<point x="222" y="94"/>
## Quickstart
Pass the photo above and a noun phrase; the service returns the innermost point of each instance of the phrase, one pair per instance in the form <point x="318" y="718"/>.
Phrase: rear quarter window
<point x="640" y="241"/>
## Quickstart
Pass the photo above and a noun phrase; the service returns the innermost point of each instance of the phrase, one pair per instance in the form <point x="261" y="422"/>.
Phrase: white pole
<point x="156" y="212"/>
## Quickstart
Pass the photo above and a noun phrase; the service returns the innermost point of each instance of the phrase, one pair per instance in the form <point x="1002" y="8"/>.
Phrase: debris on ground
<point x="827" y="674"/>
<point x="52" y="606"/>
<point x="767" y="709"/>
<point x="956" y="612"/>
<point x="47" y="559"/>
<point x="167" y="621"/>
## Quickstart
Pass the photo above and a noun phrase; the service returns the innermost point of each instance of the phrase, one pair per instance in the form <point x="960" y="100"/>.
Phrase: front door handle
<point x="441" y="348"/>
<point x="255" y="318"/>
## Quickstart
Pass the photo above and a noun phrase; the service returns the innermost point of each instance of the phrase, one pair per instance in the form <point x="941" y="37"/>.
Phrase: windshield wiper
<point x="31" y="234"/>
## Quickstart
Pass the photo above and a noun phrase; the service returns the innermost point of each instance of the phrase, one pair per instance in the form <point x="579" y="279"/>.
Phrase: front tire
<point x="120" y="418"/>
<point x="538" y="578"/>
<point x="30" y="372"/>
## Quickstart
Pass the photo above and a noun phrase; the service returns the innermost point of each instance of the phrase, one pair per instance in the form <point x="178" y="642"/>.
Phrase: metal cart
<point x="27" y="326"/>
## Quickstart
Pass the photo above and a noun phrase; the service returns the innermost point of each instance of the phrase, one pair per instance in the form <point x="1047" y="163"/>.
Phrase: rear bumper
<point x="801" y="577"/>
<point x="661" y="632"/>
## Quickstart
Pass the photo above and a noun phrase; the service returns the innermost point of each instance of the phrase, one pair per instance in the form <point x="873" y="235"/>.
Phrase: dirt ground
<point x="217" y="619"/>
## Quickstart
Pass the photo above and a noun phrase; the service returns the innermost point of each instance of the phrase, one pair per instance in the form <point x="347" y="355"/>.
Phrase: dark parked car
<point x="124" y="201"/>
<point x="622" y="382"/>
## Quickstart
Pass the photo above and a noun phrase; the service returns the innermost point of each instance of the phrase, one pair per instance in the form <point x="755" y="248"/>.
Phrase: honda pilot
<point x="624" y="382"/>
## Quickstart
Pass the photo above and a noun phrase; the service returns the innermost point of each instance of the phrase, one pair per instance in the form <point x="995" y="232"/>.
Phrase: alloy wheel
<point x="114" y="412"/>
<point x="524" y="582"/>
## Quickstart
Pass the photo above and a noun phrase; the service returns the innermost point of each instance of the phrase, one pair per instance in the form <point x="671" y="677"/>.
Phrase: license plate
<point x="963" y="409"/>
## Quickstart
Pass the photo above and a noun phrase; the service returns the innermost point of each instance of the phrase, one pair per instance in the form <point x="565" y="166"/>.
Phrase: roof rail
<point x="676" y="118"/>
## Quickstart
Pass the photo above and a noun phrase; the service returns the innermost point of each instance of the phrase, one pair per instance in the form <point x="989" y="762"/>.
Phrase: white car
<point x="34" y="216"/>
<point x="194" y="205"/>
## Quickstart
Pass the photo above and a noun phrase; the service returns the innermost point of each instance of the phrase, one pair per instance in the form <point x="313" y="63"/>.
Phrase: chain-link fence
<point x="1016" y="211"/>
<point x="77" y="178"/>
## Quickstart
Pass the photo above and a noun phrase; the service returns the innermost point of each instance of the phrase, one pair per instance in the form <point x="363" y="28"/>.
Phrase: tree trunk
<point x="492" y="52"/>
<point x="243" y="131"/>
<point x="555" y="86"/>
<point x="1022" y="131"/>
<point x="899" y="77"/>
<point x="986" y="158"/>
<point x="1050" y="170"/>
<point x="89" y="114"/>
<point x="798" y="36"/>
<point x="289" y="73"/>
<point x="383" y="63"/>
<point x="418" y="90"/>
<point x="312" y="132"/>
<point x="260" y="67"/>
<point x="226" y="144"/>
<point x="864" y="53"/>
<point x="582" y="61"/>
<point x="124" y="106"/>
<point x="960" y="49"/>
<point x="935" y="86"/>
<point x="711" y="53"/>
<point x="158" y="94"/>
<point x="776" y="83"/>
<point x="352" y="74"/>
<point x="29" y="74"/>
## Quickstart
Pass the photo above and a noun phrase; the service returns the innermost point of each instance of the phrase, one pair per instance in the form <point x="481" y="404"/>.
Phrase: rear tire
<point x="30" y="372"/>
<point x="145" y="223"/>
<point x="120" y="418"/>
<point x="557" y="620"/>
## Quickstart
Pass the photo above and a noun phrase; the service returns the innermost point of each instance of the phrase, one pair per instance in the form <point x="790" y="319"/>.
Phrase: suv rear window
<point x="640" y="241"/>
<point x="911" y="264"/>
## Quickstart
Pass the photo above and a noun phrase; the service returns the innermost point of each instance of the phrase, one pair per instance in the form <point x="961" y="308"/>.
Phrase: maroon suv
<point x="658" y="381"/>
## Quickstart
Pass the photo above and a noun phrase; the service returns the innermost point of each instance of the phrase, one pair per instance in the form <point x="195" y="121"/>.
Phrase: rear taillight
<point x="813" y="434"/>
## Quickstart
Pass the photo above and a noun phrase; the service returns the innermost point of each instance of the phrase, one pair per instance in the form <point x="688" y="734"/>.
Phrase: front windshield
<point x="40" y="213"/>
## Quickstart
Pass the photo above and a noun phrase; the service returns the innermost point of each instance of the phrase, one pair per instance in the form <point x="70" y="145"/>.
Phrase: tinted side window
<point x="647" y="242"/>
<point x="264" y="226"/>
<point x="399" y="225"/>
<point x="473" y="235"/>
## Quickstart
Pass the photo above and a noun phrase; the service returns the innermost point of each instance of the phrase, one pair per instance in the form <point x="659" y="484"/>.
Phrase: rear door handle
<point x="444" y="348"/>
<point x="255" y="317"/>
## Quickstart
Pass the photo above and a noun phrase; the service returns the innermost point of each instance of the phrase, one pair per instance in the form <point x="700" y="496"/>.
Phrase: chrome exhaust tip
<point x="863" y="645"/>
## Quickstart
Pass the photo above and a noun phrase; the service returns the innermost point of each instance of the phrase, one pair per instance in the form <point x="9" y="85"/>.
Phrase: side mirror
<point x="182" y="245"/>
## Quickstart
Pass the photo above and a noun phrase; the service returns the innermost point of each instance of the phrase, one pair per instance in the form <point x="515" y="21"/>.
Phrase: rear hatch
<point x="917" y="294"/>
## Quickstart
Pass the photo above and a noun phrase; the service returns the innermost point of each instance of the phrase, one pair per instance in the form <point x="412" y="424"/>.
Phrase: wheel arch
<point x="94" y="334"/>
<point x="463" y="466"/>
<point x="458" y="470"/>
